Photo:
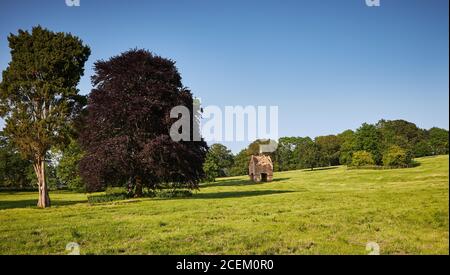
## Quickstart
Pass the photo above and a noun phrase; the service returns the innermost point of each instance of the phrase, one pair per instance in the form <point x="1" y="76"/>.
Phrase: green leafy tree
<point x="39" y="97"/>
<point x="240" y="164"/>
<point x="362" y="158"/>
<point x="287" y="154"/>
<point x="218" y="162"/>
<point x="67" y="170"/>
<point x="211" y="169"/>
<point x="13" y="169"/>
<point x="347" y="141"/>
<point x="396" y="156"/>
<point x="401" y="133"/>
<point x="285" y="158"/>
<point x="309" y="154"/>
<point x="329" y="150"/>
<point x="368" y="138"/>
<point x="438" y="140"/>
<point x="422" y="148"/>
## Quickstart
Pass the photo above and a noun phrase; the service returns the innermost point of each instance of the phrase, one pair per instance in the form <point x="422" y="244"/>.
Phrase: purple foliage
<point x="126" y="133"/>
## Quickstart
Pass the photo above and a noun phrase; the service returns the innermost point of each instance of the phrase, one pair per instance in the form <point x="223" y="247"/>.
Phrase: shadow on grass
<point x="238" y="182"/>
<point x="379" y="167"/>
<point x="32" y="203"/>
<point x="321" y="169"/>
<point x="237" y="194"/>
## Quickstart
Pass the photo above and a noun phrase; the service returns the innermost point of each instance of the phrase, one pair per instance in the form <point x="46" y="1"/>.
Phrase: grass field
<point x="329" y="211"/>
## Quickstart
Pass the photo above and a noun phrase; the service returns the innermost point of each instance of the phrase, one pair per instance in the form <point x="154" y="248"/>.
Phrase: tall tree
<point x="400" y="133"/>
<point x="309" y="154"/>
<point x="218" y="161"/>
<point x="438" y="140"/>
<point x="67" y="170"/>
<point x="368" y="138"/>
<point x="240" y="163"/>
<point x="13" y="169"/>
<point x="329" y="149"/>
<point x="287" y="153"/>
<point x="347" y="141"/>
<point x="127" y="130"/>
<point x="39" y="97"/>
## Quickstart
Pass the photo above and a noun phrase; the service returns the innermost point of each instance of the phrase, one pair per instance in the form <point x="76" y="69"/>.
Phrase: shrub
<point x="117" y="194"/>
<point x="107" y="197"/>
<point x="397" y="157"/>
<point x="167" y="194"/>
<point x="362" y="158"/>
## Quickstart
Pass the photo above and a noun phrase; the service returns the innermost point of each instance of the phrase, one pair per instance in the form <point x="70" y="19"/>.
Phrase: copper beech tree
<point x="126" y="135"/>
<point x="38" y="94"/>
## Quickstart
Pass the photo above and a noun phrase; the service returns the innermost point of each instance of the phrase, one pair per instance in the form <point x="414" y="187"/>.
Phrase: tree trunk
<point x="44" y="198"/>
<point x="138" y="188"/>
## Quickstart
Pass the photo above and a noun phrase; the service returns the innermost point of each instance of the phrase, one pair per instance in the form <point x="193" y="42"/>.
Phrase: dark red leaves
<point x="126" y="134"/>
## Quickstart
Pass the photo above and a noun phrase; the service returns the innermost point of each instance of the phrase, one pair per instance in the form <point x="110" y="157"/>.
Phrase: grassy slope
<point x="332" y="211"/>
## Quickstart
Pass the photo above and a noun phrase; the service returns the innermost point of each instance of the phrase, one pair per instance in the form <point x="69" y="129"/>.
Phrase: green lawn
<point x="329" y="211"/>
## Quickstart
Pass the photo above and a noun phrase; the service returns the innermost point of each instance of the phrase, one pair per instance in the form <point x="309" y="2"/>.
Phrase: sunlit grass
<point x="329" y="211"/>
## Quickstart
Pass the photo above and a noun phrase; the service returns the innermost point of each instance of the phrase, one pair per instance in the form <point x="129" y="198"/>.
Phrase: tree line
<point x="389" y="143"/>
<point x="118" y="135"/>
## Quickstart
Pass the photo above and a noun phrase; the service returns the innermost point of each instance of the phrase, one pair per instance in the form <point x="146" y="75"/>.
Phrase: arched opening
<point x="263" y="177"/>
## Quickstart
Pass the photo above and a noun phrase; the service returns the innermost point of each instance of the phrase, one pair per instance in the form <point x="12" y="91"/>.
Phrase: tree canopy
<point x="374" y="144"/>
<point x="13" y="169"/>
<point x="39" y="97"/>
<point x="126" y="136"/>
<point x="218" y="162"/>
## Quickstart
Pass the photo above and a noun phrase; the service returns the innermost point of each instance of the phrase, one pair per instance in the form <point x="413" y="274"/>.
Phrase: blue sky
<point x="329" y="65"/>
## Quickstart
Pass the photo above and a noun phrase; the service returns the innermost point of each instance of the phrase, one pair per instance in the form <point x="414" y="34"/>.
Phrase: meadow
<point x="332" y="210"/>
